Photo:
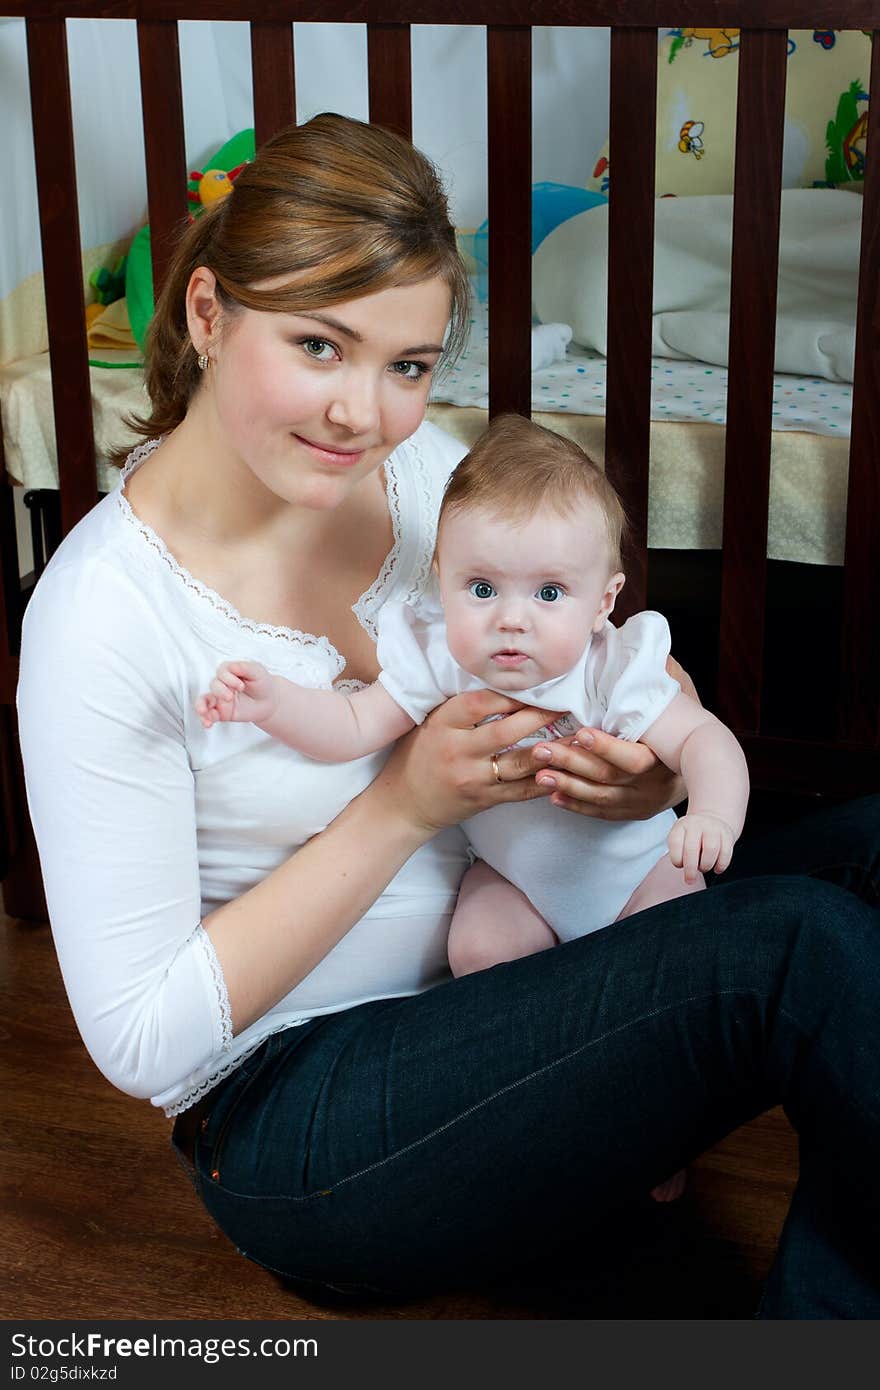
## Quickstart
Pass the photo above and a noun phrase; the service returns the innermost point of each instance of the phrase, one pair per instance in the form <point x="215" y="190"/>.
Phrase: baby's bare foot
<point x="671" y="1189"/>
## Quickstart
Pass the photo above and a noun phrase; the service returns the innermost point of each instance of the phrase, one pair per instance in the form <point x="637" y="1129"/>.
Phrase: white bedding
<point x="681" y="390"/>
<point x="817" y="287"/>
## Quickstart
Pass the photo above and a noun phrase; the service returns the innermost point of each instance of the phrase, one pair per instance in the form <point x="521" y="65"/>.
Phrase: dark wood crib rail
<point x="844" y="760"/>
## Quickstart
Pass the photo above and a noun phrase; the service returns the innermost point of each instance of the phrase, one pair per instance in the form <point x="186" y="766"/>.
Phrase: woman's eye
<point x="549" y="593"/>
<point x="319" y="348"/>
<point x="481" y="588"/>
<point x="410" y="371"/>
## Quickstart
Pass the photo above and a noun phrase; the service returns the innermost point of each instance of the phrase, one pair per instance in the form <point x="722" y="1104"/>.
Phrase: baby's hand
<point x="701" y="842"/>
<point x="243" y="691"/>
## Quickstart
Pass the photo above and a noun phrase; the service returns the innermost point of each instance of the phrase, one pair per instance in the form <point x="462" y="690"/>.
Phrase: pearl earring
<point x="203" y="360"/>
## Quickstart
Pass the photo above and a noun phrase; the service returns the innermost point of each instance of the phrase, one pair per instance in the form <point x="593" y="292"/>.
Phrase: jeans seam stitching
<point x="520" y="1081"/>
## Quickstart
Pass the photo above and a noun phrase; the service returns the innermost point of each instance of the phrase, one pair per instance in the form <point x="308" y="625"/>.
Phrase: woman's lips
<point x="343" y="458"/>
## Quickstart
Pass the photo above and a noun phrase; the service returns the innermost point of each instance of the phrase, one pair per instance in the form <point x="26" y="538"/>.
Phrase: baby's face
<point x="522" y="599"/>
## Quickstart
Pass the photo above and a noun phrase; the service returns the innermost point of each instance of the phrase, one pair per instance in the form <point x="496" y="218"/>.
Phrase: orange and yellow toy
<point x="212" y="185"/>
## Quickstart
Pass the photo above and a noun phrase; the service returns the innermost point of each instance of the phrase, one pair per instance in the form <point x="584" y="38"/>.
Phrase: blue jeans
<point x="408" y="1145"/>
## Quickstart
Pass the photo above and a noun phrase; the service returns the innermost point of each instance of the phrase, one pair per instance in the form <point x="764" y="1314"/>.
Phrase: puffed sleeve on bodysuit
<point x="633" y="685"/>
<point x="416" y="668"/>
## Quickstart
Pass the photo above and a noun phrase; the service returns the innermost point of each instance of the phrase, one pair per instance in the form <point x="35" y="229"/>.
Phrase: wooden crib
<point x="842" y="757"/>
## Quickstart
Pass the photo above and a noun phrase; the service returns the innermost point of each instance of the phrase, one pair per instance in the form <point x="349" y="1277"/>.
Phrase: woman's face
<point x="311" y="403"/>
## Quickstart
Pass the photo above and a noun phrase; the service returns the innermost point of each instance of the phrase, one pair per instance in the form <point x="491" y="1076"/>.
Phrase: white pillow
<point x="818" y="280"/>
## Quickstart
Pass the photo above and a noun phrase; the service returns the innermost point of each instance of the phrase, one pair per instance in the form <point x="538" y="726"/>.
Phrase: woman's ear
<point x="203" y="312"/>
<point x="609" y="598"/>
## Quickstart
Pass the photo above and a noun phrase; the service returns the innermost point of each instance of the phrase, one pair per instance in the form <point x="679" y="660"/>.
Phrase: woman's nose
<point x="356" y="406"/>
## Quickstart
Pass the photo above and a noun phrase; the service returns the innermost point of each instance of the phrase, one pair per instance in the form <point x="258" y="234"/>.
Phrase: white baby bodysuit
<point x="577" y="871"/>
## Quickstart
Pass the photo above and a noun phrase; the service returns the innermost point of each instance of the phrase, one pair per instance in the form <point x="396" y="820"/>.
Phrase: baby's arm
<point x="329" y="725"/>
<point x="693" y="742"/>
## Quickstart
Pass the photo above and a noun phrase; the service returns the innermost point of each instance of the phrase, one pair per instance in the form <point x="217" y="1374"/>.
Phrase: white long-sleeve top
<point x="145" y="821"/>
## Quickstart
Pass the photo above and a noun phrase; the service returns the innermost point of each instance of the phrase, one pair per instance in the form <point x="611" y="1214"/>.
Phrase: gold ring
<point x="495" y="768"/>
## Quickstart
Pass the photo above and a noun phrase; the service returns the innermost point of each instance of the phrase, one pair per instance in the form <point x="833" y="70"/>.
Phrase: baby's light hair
<point x="516" y="467"/>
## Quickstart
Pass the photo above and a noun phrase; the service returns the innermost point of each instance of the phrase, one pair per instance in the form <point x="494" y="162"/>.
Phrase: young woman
<point x="257" y="942"/>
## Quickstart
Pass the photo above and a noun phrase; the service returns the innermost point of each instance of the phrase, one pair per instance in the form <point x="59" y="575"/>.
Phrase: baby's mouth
<point x="509" y="657"/>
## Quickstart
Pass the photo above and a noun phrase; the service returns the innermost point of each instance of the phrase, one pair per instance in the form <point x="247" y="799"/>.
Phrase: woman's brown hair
<point x="516" y="466"/>
<point x="339" y="209"/>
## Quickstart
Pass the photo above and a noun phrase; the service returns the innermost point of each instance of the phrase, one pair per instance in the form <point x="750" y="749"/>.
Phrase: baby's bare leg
<point x="661" y="885"/>
<point x="493" y="922"/>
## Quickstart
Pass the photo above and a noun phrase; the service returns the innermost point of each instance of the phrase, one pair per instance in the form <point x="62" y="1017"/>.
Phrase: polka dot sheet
<point x="681" y="391"/>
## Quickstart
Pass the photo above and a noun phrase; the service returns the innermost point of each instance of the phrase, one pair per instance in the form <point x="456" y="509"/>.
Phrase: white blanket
<point x="818" y="279"/>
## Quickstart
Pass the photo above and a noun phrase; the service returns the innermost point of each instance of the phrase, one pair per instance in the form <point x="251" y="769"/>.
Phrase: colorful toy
<point x="846" y="137"/>
<point x="109" y="282"/>
<point x="232" y="158"/>
<point x="212" y="185"/>
<point x="552" y="203"/>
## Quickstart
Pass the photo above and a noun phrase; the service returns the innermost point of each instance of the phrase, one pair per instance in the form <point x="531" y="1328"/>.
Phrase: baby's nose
<point x="512" y="617"/>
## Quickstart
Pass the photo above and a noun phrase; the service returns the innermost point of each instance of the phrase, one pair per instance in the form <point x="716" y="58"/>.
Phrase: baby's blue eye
<point x="550" y="593"/>
<point x="481" y="588"/>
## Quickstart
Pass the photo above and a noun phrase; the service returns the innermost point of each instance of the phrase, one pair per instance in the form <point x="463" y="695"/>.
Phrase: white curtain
<point x="570" y="103"/>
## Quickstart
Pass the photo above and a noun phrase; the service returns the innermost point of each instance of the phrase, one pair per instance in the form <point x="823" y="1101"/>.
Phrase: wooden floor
<point x="99" y="1221"/>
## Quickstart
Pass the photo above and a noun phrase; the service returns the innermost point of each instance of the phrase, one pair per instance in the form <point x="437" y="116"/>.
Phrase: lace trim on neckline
<point x="293" y="636"/>
<point x="365" y="609"/>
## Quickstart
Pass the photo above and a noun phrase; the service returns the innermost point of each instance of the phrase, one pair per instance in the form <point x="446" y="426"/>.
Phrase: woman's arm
<point x="112" y="800"/>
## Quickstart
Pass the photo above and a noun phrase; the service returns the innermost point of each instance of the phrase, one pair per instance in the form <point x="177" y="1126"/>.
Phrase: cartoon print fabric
<point x="826" y="107"/>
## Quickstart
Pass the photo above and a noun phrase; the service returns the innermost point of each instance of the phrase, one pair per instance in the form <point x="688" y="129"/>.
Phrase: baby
<point x="526" y="573"/>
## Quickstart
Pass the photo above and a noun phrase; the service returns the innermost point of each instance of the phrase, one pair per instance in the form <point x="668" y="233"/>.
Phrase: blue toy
<point x="552" y="204"/>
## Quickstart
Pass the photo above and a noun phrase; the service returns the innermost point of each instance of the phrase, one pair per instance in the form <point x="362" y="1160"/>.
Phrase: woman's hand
<point x="444" y="771"/>
<point x="599" y="775"/>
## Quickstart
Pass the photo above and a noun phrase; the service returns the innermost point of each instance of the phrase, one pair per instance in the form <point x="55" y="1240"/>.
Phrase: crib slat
<point x="860" y="665"/>
<point x="273" y="77"/>
<point x="389" y="70"/>
<point x="811" y="767"/>
<point x="632" y="123"/>
<point x="162" y="102"/>
<point x="62" y="266"/>
<point x="755" y="260"/>
<point x="509" y="60"/>
<point x="10" y="589"/>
